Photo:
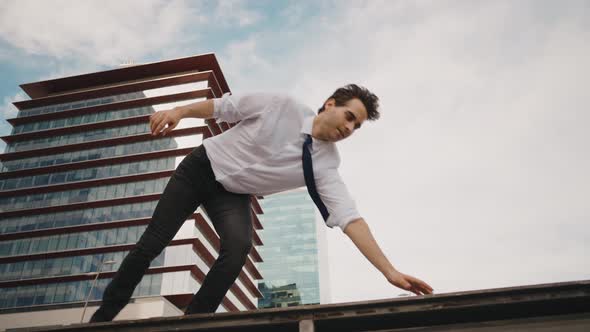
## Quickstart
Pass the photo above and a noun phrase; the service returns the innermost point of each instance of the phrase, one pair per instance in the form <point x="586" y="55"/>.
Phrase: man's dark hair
<point x="351" y="91"/>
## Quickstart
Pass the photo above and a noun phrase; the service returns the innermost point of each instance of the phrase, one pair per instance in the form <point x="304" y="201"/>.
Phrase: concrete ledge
<point x="59" y="316"/>
<point x="541" y="307"/>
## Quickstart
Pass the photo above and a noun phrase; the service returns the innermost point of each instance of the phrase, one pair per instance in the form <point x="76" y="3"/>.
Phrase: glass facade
<point x="80" y="119"/>
<point x="88" y="173"/>
<point x="62" y="266"/>
<point x="80" y="137"/>
<point x="83" y="195"/>
<point x="79" y="104"/>
<point x="73" y="291"/>
<point x="77" y="217"/>
<point x="91" y="154"/>
<point x="290" y="251"/>
<point x="69" y="241"/>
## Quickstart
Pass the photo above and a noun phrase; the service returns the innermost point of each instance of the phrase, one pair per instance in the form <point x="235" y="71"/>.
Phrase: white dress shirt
<point x="261" y="155"/>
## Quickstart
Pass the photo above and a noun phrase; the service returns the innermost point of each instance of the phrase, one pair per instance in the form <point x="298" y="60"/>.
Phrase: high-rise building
<point x="80" y="177"/>
<point x="293" y="252"/>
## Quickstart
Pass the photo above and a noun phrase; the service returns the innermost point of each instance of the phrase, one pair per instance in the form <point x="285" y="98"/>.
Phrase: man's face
<point x="339" y="122"/>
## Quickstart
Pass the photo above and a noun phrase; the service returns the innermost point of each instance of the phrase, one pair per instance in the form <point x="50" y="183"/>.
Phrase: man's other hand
<point x="409" y="283"/>
<point x="160" y="119"/>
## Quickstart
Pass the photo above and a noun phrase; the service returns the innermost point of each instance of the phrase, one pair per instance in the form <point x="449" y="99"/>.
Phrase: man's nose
<point x="349" y="128"/>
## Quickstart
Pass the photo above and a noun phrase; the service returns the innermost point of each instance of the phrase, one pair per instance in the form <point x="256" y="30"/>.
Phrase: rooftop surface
<point x="563" y="306"/>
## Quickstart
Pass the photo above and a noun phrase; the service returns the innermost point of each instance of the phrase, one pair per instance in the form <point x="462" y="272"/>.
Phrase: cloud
<point x="105" y="32"/>
<point x="476" y="174"/>
<point x="242" y="62"/>
<point x="109" y="32"/>
<point x="7" y="111"/>
<point x="229" y="12"/>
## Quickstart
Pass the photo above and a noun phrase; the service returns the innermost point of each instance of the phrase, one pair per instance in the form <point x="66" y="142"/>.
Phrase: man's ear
<point x="330" y="102"/>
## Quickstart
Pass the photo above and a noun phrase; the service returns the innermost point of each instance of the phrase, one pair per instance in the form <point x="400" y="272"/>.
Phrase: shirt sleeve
<point x="232" y="108"/>
<point x="335" y="195"/>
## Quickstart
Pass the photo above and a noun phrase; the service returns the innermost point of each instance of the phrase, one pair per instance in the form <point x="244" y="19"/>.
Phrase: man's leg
<point x="230" y="215"/>
<point x="179" y="200"/>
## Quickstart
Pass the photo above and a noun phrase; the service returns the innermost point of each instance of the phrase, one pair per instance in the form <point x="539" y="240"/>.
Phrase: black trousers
<point x="192" y="184"/>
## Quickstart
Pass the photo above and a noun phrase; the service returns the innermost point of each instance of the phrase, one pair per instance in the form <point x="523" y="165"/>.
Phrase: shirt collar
<point x="306" y="128"/>
<point x="307" y="124"/>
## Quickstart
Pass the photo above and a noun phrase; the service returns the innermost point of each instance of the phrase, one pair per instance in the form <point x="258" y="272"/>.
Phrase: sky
<point x="475" y="176"/>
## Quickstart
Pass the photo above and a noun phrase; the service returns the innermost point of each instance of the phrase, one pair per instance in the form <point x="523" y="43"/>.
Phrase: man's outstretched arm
<point x="360" y="234"/>
<point x="159" y="120"/>
<point x="228" y="108"/>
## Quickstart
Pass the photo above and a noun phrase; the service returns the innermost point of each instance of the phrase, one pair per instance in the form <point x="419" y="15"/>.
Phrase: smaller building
<point x="292" y="240"/>
<point x="279" y="297"/>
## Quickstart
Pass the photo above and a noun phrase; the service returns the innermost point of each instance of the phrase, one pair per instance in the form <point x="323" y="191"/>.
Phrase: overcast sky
<point x="476" y="176"/>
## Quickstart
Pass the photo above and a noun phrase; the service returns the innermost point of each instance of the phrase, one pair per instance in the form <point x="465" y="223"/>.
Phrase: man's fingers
<point x="158" y="126"/>
<point x="425" y="288"/>
<point x="161" y="126"/>
<point x="170" y="127"/>
<point x="415" y="291"/>
<point x="154" y="124"/>
<point x="420" y="285"/>
<point x="418" y="290"/>
<point x="155" y="121"/>
<point x="158" y="121"/>
<point x="412" y="284"/>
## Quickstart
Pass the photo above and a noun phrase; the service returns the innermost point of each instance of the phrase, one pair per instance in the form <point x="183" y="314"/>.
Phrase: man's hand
<point x="409" y="283"/>
<point x="160" y="119"/>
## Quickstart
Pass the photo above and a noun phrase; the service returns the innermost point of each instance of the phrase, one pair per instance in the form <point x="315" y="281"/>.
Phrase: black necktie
<point x="310" y="180"/>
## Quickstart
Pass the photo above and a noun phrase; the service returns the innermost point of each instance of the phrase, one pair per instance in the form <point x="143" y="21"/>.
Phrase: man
<point x="278" y="144"/>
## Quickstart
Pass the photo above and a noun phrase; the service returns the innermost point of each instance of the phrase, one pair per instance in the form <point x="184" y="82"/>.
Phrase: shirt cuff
<point x="343" y="220"/>
<point x="218" y="104"/>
